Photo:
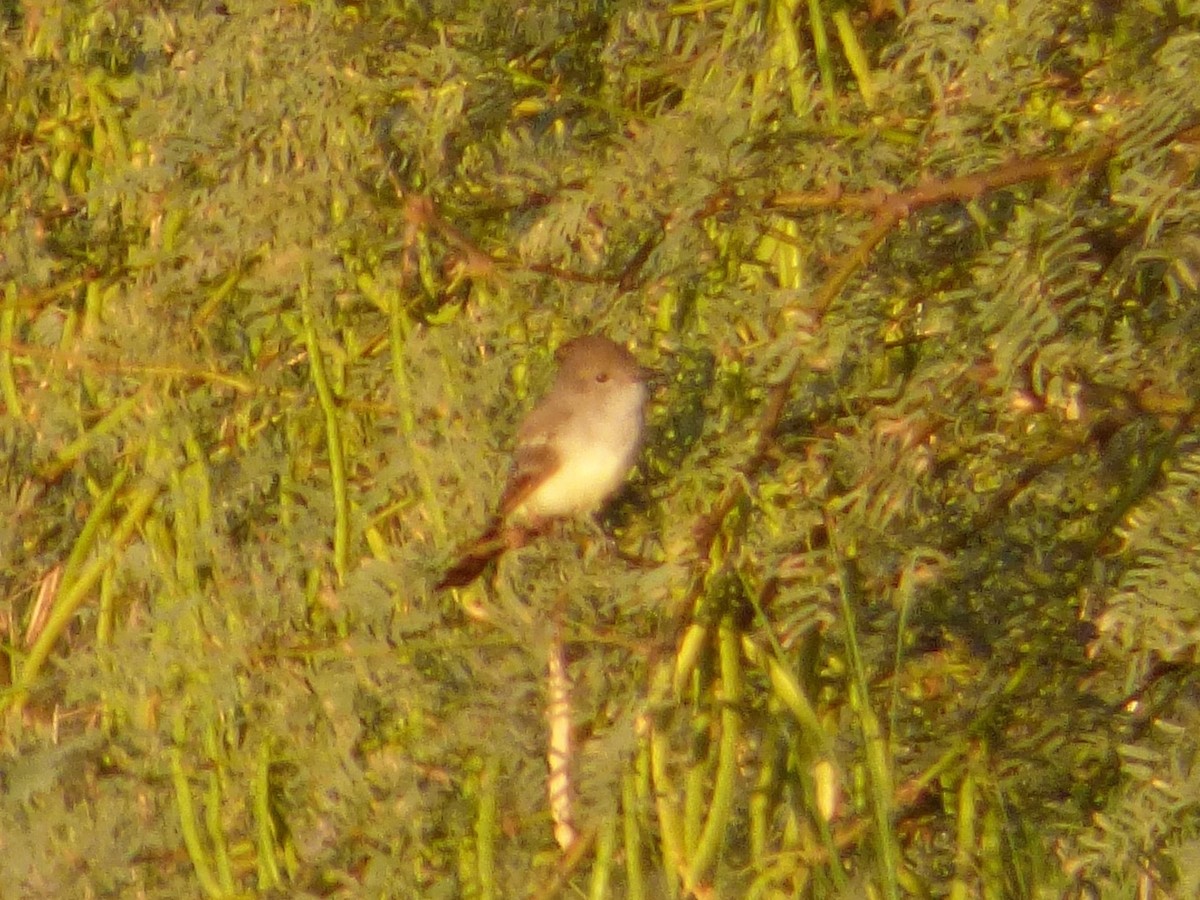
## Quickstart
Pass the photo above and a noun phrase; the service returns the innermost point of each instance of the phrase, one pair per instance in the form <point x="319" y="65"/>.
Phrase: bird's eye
<point x="601" y="377"/>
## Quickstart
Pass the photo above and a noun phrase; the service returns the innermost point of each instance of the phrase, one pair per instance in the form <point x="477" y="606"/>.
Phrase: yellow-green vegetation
<point x="902" y="599"/>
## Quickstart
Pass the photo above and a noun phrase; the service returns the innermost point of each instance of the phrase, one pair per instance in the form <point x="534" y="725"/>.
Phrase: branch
<point x="889" y="210"/>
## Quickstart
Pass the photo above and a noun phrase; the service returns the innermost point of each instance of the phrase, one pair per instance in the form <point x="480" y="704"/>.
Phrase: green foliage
<point x="901" y="598"/>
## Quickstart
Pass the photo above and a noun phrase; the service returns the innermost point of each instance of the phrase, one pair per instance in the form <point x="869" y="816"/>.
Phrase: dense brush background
<point x="903" y="598"/>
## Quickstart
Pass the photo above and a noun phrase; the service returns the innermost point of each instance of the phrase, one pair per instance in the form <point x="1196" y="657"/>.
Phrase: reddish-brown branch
<point x="889" y="210"/>
<point x="959" y="188"/>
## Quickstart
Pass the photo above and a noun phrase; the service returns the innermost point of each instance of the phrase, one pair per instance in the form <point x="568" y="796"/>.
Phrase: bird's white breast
<point x="595" y="452"/>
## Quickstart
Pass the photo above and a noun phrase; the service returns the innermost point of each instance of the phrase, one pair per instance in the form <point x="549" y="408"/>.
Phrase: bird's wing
<point x="532" y="465"/>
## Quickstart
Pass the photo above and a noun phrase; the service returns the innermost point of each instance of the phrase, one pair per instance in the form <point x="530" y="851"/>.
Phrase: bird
<point x="573" y="450"/>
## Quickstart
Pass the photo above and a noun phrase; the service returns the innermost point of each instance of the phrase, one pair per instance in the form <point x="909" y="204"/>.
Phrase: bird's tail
<point x="475" y="558"/>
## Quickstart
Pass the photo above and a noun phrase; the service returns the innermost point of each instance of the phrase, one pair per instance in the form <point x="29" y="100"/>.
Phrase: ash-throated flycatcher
<point x="573" y="450"/>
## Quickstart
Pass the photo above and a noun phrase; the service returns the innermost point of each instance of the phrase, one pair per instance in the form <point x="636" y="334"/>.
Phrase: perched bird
<point x="573" y="450"/>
